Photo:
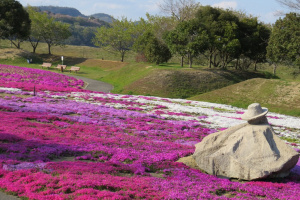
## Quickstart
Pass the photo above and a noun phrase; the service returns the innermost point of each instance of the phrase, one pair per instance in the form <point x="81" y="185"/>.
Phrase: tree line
<point x="222" y="38"/>
<point x="18" y="24"/>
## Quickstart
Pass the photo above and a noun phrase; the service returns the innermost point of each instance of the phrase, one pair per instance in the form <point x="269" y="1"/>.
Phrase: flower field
<point x="69" y="143"/>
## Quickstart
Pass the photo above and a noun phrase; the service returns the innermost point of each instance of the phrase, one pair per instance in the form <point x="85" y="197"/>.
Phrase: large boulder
<point x="247" y="152"/>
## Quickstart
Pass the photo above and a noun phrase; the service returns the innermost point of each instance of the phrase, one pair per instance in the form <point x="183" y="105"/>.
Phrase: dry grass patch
<point x="103" y="64"/>
<point x="12" y="53"/>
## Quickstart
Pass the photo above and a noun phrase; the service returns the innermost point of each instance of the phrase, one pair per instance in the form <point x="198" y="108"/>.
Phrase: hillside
<point x="103" y="17"/>
<point x="62" y="10"/>
<point x="73" y="12"/>
<point x="279" y="96"/>
<point x="184" y="83"/>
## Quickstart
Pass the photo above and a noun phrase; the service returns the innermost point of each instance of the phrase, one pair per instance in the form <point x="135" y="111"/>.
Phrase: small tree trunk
<point x="190" y="61"/>
<point x="49" y="46"/>
<point x="255" y="65"/>
<point x="210" y="57"/>
<point x="122" y="56"/>
<point x="181" y="61"/>
<point x="17" y="44"/>
<point x="274" y="69"/>
<point x="237" y="63"/>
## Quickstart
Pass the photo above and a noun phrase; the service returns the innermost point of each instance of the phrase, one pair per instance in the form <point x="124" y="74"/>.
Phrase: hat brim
<point x="248" y="118"/>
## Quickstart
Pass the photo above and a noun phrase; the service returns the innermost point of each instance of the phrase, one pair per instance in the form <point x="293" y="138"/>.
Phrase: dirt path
<point x="4" y="196"/>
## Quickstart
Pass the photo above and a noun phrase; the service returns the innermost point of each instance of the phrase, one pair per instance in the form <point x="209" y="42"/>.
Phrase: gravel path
<point x="4" y="196"/>
<point x="94" y="85"/>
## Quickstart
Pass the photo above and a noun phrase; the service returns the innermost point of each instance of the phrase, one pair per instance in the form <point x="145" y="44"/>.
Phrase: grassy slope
<point x="278" y="95"/>
<point x="185" y="82"/>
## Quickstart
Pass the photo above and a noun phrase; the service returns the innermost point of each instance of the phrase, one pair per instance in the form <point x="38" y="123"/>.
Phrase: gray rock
<point x="246" y="152"/>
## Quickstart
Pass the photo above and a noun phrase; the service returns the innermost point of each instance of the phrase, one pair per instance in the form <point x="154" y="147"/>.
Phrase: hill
<point x="103" y="17"/>
<point x="186" y="82"/>
<point x="277" y="95"/>
<point x="82" y="27"/>
<point x="62" y="10"/>
<point x="73" y="12"/>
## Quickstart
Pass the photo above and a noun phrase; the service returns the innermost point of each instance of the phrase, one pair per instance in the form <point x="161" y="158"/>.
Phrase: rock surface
<point x="246" y="152"/>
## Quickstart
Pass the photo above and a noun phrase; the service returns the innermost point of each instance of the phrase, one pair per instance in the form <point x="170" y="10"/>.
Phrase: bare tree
<point x="182" y="10"/>
<point x="291" y="4"/>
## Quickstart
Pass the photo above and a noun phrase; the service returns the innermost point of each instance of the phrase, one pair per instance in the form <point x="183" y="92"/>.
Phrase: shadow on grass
<point x="237" y="76"/>
<point x="56" y="59"/>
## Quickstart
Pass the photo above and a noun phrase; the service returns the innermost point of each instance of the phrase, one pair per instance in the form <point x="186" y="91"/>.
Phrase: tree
<point x="291" y="4"/>
<point x="188" y="38"/>
<point x="208" y="16"/>
<point x="14" y="22"/>
<point x="119" y="38"/>
<point x="284" y="41"/>
<point x="159" y="24"/>
<point x="153" y="49"/>
<point x="36" y="31"/>
<point x="254" y="37"/>
<point x="223" y="30"/>
<point x="182" y="10"/>
<point x="53" y="33"/>
<point x="179" y="10"/>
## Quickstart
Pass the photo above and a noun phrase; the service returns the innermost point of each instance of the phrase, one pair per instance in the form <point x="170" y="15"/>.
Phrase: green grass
<point x="292" y="140"/>
<point x="71" y="51"/>
<point x="170" y="79"/>
<point x="277" y="95"/>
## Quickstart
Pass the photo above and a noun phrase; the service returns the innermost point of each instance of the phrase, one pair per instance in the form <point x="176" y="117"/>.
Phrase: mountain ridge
<point x="73" y="12"/>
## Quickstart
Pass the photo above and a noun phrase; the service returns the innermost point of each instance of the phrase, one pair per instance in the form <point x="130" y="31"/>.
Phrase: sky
<point x="134" y="9"/>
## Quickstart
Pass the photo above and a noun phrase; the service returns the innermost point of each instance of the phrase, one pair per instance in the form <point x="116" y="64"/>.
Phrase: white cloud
<point x="270" y="17"/>
<point x="226" y="4"/>
<point x="108" y="6"/>
<point x="152" y="7"/>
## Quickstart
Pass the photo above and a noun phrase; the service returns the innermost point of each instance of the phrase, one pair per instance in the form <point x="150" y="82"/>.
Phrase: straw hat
<point x="254" y="111"/>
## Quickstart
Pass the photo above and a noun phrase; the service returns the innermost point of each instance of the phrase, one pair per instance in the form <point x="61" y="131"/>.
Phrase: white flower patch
<point x="10" y="89"/>
<point x="212" y="115"/>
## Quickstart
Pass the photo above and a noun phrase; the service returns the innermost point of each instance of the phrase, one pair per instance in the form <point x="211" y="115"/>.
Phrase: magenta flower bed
<point x="24" y="78"/>
<point x="58" y="148"/>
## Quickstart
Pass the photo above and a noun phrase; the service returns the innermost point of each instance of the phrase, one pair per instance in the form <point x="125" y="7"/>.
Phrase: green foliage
<point x="36" y="32"/>
<point x="254" y="38"/>
<point x="82" y="28"/>
<point x="81" y="36"/>
<point x="158" y="25"/>
<point x="52" y="32"/>
<point x="223" y="29"/>
<point x="117" y="38"/>
<point x="233" y="36"/>
<point x="284" y="41"/>
<point x="14" y="21"/>
<point x="154" y="50"/>
<point x="188" y="38"/>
